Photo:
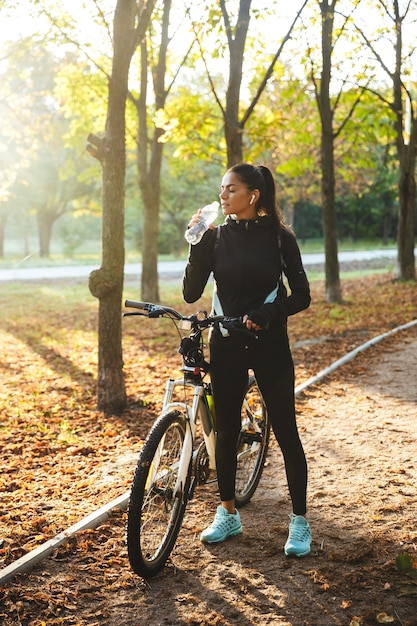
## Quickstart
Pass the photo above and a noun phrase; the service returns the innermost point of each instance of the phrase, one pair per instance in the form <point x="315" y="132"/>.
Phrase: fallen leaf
<point x="406" y="564"/>
<point x="383" y="618"/>
<point x="345" y="604"/>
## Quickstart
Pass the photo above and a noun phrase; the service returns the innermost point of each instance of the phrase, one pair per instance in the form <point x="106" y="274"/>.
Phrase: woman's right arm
<point x="199" y="267"/>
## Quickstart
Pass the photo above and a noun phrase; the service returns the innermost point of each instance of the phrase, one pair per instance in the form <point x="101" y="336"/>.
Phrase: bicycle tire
<point x="253" y="443"/>
<point x="154" y="514"/>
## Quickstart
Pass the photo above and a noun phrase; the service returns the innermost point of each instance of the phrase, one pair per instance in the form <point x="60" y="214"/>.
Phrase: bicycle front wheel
<point x="155" y="513"/>
<point x="252" y="445"/>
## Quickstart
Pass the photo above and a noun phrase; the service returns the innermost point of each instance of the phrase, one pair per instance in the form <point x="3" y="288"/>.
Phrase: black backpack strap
<point x="282" y="290"/>
<point x="216" y="242"/>
<point x="281" y="256"/>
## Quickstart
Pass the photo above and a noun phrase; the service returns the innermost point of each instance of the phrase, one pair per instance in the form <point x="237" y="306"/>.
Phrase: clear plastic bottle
<point x="207" y="216"/>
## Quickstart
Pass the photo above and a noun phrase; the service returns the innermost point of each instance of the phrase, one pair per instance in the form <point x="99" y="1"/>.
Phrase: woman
<point x="247" y="255"/>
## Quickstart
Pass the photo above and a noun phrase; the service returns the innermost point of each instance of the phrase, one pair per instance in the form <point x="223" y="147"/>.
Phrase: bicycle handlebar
<point x="200" y="319"/>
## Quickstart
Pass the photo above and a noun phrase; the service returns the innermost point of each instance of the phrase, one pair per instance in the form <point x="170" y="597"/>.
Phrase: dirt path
<point x="359" y="430"/>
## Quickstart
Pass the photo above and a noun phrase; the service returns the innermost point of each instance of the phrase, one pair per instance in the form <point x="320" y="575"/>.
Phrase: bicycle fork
<point x="197" y="409"/>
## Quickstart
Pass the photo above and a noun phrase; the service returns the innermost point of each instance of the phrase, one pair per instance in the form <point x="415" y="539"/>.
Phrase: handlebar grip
<point x="153" y="310"/>
<point x="133" y="304"/>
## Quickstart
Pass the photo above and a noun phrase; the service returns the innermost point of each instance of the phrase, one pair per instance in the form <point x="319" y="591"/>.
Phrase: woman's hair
<point x="260" y="177"/>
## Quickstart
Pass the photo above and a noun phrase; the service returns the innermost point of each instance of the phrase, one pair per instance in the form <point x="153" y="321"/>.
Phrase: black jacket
<point x="246" y="263"/>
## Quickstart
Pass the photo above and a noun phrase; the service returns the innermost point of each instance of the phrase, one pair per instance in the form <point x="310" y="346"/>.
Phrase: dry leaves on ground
<point x="62" y="459"/>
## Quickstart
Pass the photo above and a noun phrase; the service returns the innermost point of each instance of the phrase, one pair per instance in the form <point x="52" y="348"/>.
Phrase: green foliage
<point x="406" y="564"/>
<point x="49" y="178"/>
<point x="81" y="93"/>
<point x="54" y="93"/>
<point x="187" y="186"/>
<point x="191" y="121"/>
<point x="76" y="231"/>
<point x="284" y="133"/>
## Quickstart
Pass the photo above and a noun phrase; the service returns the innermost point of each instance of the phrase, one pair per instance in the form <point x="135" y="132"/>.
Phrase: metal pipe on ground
<point x="349" y="356"/>
<point x="29" y="560"/>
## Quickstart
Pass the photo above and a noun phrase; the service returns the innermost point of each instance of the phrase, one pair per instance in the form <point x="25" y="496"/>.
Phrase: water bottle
<point x="207" y="216"/>
<point x="210" y="402"/>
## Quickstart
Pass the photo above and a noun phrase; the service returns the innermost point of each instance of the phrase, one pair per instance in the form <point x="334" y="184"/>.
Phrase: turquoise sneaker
<point x="299" y="537"/>
<point x="224" y="525"/>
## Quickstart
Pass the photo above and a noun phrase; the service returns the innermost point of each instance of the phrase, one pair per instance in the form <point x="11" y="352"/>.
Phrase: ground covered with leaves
<point x="62" y="460"/>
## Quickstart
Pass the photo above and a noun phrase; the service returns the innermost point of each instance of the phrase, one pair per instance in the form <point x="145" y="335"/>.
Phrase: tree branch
<point x="95" y="147"/>
<point x="180" y="66"/>
<point x="103" y="18"/>
<point x="75" y="43"/>
<point x="144" y="12"/>
<point x="227" y="24"/>
<point x="350" y="112"/>
<point x="374" y="52"/>
<point x="200" y="47"/>
<point x="270" y="70"/>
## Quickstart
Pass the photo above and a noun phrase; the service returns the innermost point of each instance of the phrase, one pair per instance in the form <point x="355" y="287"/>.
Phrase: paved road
<point x="168" y="268"/>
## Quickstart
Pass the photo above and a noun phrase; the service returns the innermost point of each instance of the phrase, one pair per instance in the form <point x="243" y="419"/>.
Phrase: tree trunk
<point x="45" y="224"/>
<point x="407" y="159"/>
<point x="106" y="284"/>
<point x="149" y="184"/>
<point x="407" y="189"/>
<point x="3" y="220"/>
<point x="151" y="198"/>
<point x="332" y="276"/>
<point x="388" y="218"/>
<point x="232" y="126"/>
<point x="406" y="225"/>
<point x="149" y="166"/>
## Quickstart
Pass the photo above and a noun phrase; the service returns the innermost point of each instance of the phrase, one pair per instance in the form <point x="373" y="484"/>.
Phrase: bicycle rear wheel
<point x="252" y="445"/>
<point x="154" y="513"/>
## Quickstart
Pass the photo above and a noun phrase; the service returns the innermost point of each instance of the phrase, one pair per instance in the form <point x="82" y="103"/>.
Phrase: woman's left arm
<point x="299" y="297"/>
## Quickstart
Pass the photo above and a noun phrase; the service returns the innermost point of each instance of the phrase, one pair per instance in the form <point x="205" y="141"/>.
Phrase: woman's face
<point x="236" y="199"/>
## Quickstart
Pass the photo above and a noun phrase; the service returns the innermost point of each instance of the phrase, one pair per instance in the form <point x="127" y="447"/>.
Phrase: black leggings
<point x="273" y="366"/>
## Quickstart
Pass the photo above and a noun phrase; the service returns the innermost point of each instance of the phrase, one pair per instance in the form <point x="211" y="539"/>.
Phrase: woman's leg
<point x="274" y="371"/>
<point x="228" y="380"/>
<point x="229" y="374"/>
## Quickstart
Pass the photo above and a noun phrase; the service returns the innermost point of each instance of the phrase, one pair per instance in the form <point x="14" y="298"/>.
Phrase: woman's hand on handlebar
<point x="256" y="320"/>
<point x="250" y="325"/>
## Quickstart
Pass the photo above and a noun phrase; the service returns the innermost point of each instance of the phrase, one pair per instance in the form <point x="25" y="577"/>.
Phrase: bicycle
<point x="179" y="451"/>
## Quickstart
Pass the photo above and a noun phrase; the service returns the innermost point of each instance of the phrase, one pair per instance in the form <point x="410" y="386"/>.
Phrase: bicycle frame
<point x="197" y="410"/>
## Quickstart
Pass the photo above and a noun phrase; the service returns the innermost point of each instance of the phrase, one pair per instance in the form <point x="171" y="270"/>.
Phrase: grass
<point x="316" y="245"/>
<point x="386" y="267"/>
<point x="61" y="295"/>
